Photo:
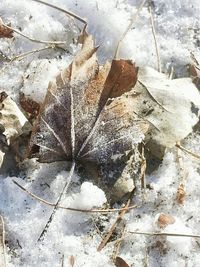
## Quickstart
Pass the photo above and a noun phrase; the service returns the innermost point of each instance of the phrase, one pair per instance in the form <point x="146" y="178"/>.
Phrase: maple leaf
<point x="4" y="31"/>
<point x="87" y="114"/>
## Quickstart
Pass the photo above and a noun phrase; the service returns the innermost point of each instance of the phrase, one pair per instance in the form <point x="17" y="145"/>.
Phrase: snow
<point x="75" y="233"/>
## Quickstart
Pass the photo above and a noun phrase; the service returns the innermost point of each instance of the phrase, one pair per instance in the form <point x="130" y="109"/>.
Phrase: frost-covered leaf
<point x="171" y="106"/>
<point x="5" y="32"/>
<point x="119" y="262"/>
<point x="88" y="116"/>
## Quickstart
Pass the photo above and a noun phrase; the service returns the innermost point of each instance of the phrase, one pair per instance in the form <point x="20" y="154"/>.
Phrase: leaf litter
<point x="97" y="116"/>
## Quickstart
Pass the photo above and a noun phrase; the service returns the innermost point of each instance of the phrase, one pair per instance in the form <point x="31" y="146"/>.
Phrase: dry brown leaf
<point x="119" y="262"/>
<point x="87" y="115"/>
<point x="13" y="123"/>
<point x="181" y="194"/>
<point x="194" y="72"/>
<point x="5" y="32"/>
<point x="29" y="105"/>
<point x="164" y="220"/>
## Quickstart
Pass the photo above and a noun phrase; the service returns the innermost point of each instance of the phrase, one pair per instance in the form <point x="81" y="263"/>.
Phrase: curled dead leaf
<point x="4" y="31"/>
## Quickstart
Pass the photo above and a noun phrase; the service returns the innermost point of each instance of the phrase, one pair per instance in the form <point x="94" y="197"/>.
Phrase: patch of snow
<point x="72" y="233"/>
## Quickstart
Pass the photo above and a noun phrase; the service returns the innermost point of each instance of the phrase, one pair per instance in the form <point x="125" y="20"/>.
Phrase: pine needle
<point x="133" y="20"/>
<point x="154" y="37"/>
<point x="163" y="234"/>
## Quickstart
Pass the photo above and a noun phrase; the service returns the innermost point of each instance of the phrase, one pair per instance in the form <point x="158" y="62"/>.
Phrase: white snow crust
<point x="74" y="233"/>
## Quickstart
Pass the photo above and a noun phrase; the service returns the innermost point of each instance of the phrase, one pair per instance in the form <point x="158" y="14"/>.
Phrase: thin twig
<point x="188" y="151"/>
<point x="33" y="39"/>
<point x="117" y="245"/>
<point x="69" y="13"/>
<point x="163" y="234"/>
<point x="68" y="208"/>
<point x="23" y="55"/>
<point x="2" y="243"/>
<point x="133" y="20"/>
<point x="143" y="168"/>
<point x="118" y="220"/>
<point x="154" y="37"/>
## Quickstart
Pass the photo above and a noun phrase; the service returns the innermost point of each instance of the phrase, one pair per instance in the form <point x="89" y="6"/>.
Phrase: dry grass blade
<point x="133" y="20"/>
<point x="68" y="208"/>
<point x="33" y="39"/>
<point x="2" y="243"/>
<point x="69" y="13"/>
<point x="23" y="55"/>
<point x="188" y="151"/>
<point x="118" y="220"/>
<point x="163" y="234"/>
<point x="154" y="36"/>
